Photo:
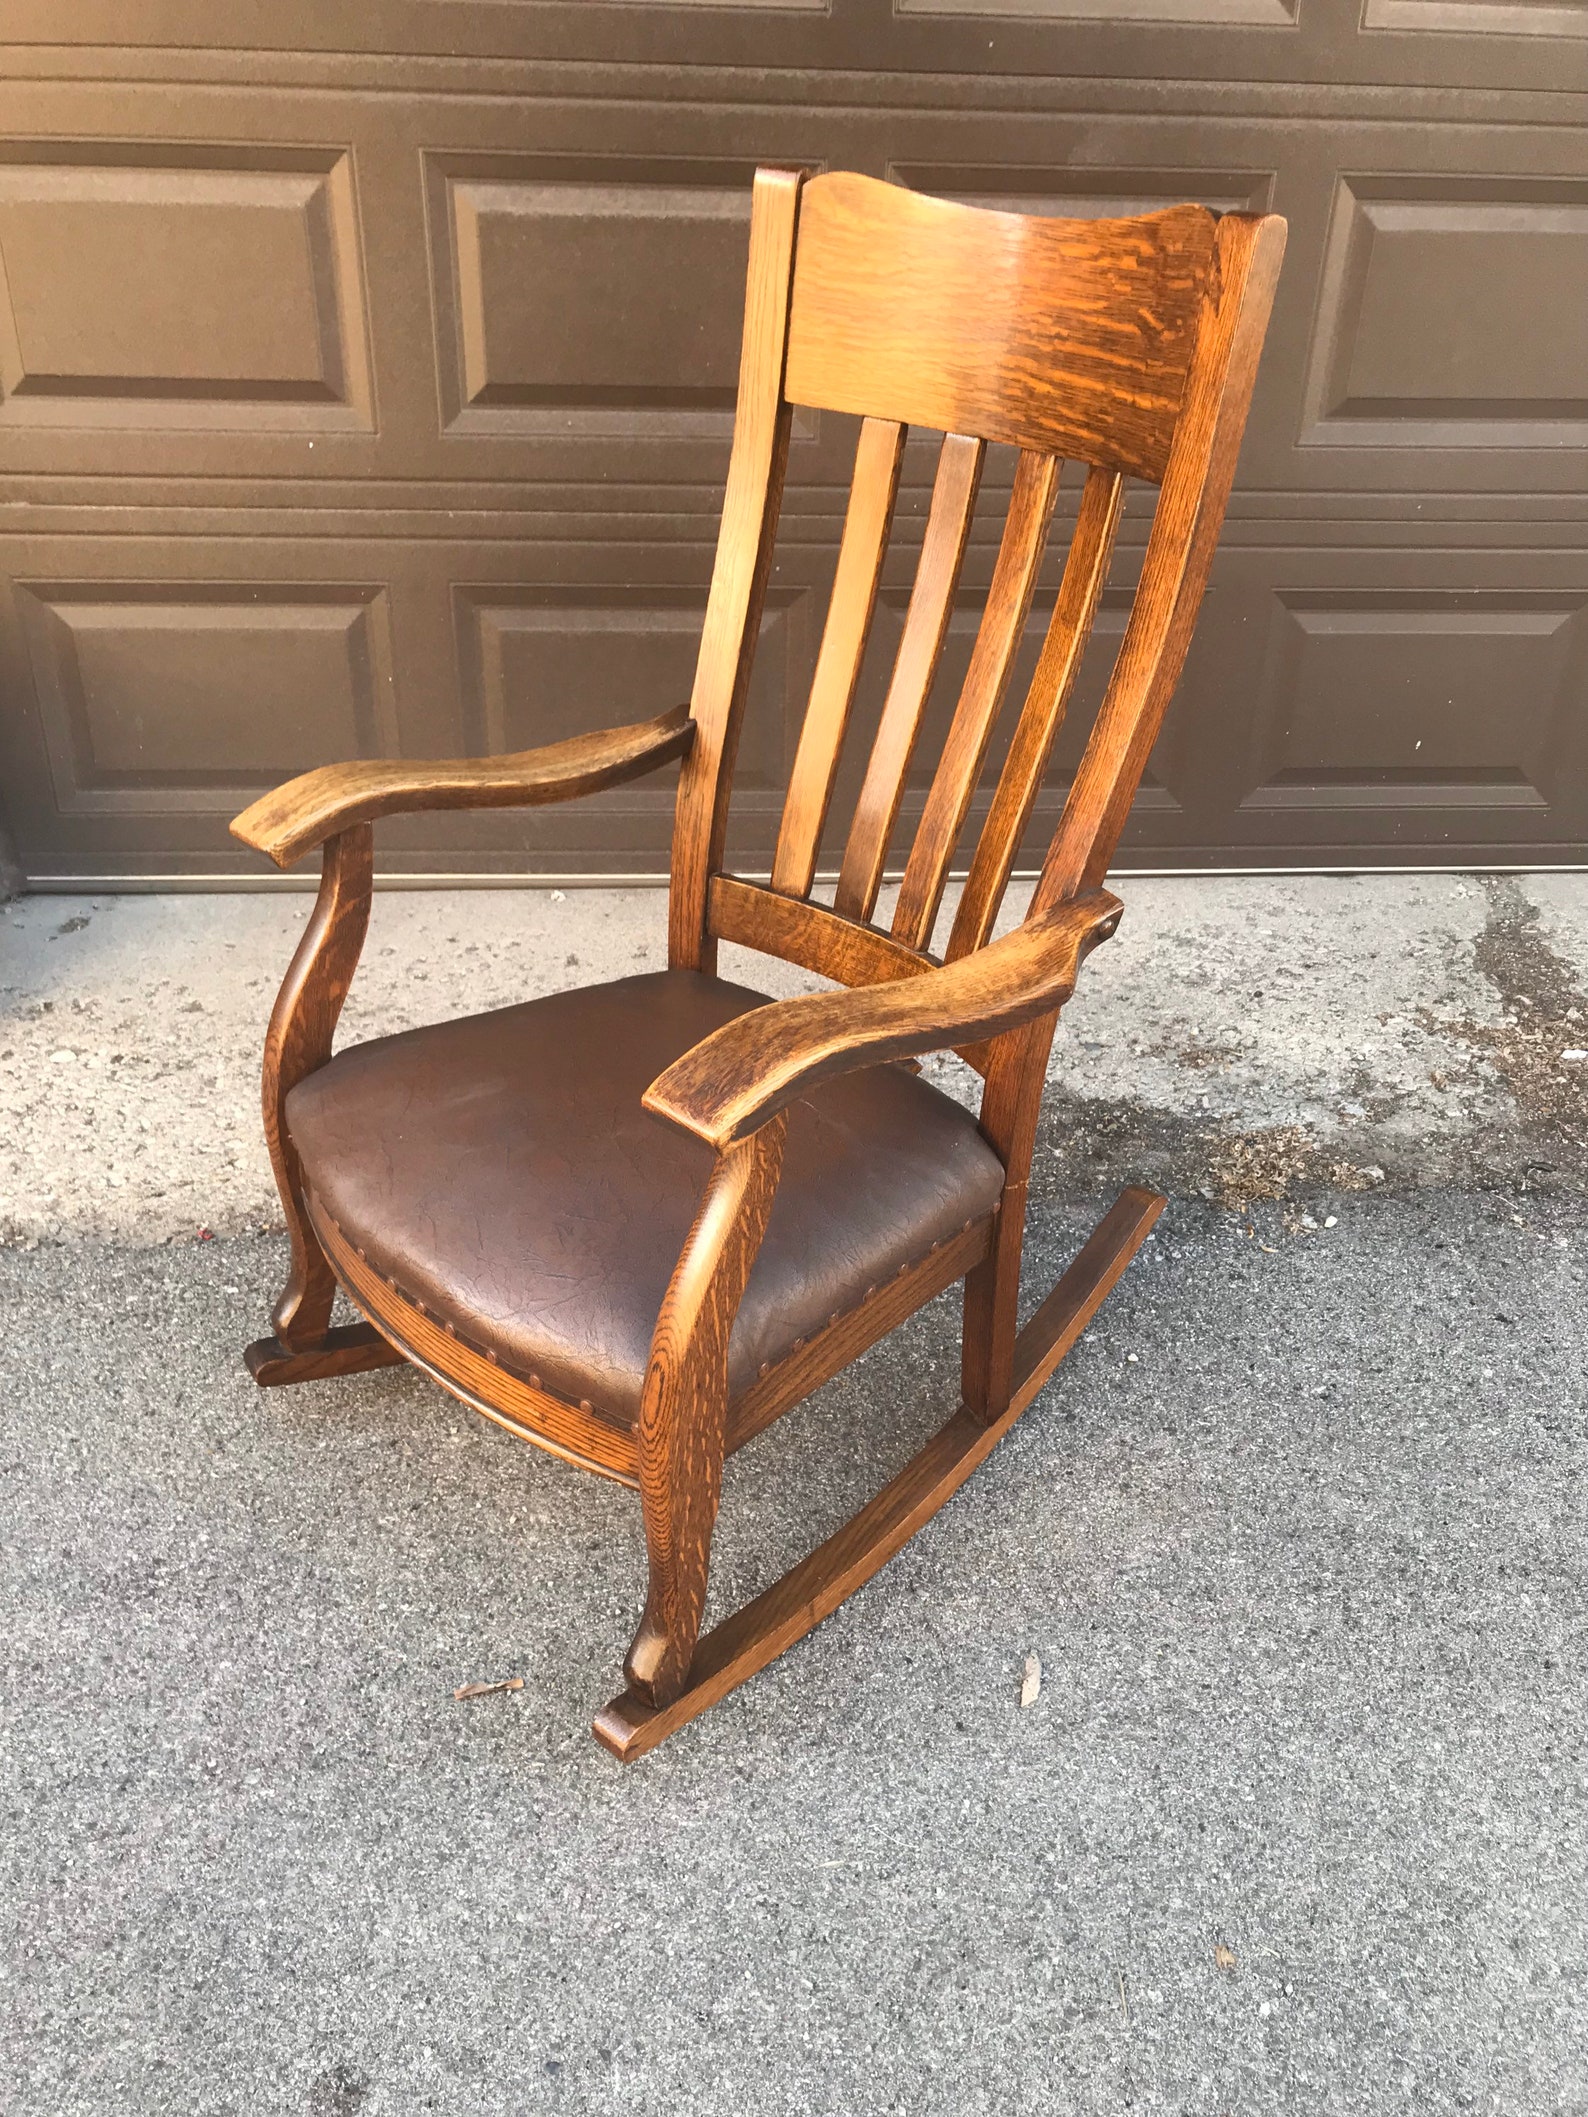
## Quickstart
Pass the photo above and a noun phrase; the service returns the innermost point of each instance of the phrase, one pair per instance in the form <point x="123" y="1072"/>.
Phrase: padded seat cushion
<point x="500" y="1170"/>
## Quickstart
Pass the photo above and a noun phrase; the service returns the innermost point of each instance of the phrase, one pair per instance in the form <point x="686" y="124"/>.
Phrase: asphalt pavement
<point x="1297" y="1822"/>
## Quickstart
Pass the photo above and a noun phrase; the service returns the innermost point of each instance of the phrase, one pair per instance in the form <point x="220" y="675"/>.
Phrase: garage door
<point x="370" y="394"/>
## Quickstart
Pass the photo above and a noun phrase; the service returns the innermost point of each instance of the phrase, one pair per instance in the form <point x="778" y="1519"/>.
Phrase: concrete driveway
<point x="1298" y="1821"/>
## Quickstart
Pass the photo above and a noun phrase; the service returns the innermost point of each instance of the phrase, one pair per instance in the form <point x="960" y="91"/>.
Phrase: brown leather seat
<point x="500" y="1170"/>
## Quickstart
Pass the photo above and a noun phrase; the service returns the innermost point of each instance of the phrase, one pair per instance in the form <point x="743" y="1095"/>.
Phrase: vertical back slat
<point x="925" y="627"/>
<point x="1003" y="621"/>
<point x="738" y="580"/>
<point x="860" y="557"/>
<point x="1085" y="571"/>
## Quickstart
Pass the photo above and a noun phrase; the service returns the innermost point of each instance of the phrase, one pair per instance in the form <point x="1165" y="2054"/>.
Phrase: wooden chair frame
<point x="858" y="300"/>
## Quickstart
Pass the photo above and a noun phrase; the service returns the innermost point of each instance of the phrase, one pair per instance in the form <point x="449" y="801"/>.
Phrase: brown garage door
<point x="370" y="393"/>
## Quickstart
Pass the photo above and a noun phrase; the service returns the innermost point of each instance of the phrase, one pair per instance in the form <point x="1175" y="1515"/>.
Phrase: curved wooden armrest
<point x="742" y="1074"/>
<point x="308" y="810"/>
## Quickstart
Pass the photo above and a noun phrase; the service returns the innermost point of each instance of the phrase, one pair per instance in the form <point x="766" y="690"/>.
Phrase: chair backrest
<point x="1129" y="346"/>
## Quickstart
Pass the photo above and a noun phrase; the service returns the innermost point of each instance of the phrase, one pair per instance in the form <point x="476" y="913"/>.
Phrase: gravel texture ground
<point x="1411" y="1023"/>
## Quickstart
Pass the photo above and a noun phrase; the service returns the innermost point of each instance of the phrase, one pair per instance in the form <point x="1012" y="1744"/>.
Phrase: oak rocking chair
<point x="636" y="1223"/>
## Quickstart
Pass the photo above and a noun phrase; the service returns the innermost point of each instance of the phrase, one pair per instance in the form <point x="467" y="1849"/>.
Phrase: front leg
<point x="684" y="1408"/>
<point x="298" y="1043"/>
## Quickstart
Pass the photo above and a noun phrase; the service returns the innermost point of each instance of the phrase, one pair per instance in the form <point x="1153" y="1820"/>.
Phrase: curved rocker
<point x="635" y="1224"/>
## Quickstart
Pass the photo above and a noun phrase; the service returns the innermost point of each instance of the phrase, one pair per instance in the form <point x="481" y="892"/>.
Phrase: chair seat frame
<point x="818" y="331"/>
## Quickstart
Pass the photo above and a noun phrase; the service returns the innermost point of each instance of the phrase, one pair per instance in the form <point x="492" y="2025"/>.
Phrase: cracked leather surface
<point x="501" y="1171"/>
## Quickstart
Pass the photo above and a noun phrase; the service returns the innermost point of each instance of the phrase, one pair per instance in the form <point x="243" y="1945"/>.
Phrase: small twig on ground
<point x="1124" y="2003"/>
<point x="483" y="1690"/>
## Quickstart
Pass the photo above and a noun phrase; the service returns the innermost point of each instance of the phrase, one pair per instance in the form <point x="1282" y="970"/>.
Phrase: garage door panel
<point x="363" y="404"/>
<point x="1390" y="693"/>
<point x="1477" y="43"/>
<point x="1496" y="22"/>
<point x="1205" y="13"/>
<point x="1393" y="715"/>
<point x="1451" y="313"/>
<point x="161" y="288"/>
<point x="153" y="696"/>
<point x="599" y="305"/>
<point x="568" y="316"/>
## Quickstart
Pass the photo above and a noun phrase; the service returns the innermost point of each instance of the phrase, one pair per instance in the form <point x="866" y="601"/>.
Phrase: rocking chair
<point x="634" y="1224"/>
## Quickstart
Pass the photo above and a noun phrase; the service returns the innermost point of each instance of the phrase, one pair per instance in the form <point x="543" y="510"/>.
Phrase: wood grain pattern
<point x="1042" y="715"/>
<point x="297" y="1043"/>
<point x="860" y="556"/>
<point x="738" y="581"/>
<point x="1011" y="1105"/>
<point x="920" y="647"/>
<point x="812" y="1590"/>
<point x="746" y="1072"/>
<point x="350" y="1349"/>
<point x="300" y="815"/>
<point x="808" y="934"/>
<point x="684" y="1408"/>
<point x="1072" y="337"/>
<point x="1179" y="553"/>
<point x="534" y="1414"/>
<point x="1003" y="622"/>
<point x="802" y="932"/>
<point x="1131" y="345"/>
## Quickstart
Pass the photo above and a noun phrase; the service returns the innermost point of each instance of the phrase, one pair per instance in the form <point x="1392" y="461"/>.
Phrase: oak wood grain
<point x="1180" y="548"/>
<point x="739" y="576"/>
<point x="682" y="1425"/>
<point x="1042" y="715"/>
<point x="349" y="1349"/>
<point x="297" y="1043"/>
<point x="799" y="931"/>
<point x="1011" y="1105"/>
<point x="812" y="1590"/>
<point x="296" y="817"/>
<point x="746" y="1072"/>
<point x="1072" y="337"/>
<point x="920" y="647"/>
<point x="808" y="934"/>
<point x="1003" y="622"/>
<point x="849" y="611"/>
<point x="1128" y="345"/>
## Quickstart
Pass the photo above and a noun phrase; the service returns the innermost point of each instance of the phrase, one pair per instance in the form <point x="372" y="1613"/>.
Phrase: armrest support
<point x="308" y="810"/>
<point x="751" y="1068"/>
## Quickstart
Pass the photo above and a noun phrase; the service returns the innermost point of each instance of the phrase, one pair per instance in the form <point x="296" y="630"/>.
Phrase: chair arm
<point x="742" y="1074"/>
<point x="308" y="810"/>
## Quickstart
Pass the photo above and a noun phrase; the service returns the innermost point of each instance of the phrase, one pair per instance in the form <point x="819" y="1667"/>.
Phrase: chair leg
<point x="684" y="1410"/>
<point x="992" y="1314"/>
<point x="302" y="1313"/>
<point x="351" y="1349"/>
<point x="794" y="1605"/>
<point x="302" y="1024"/>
